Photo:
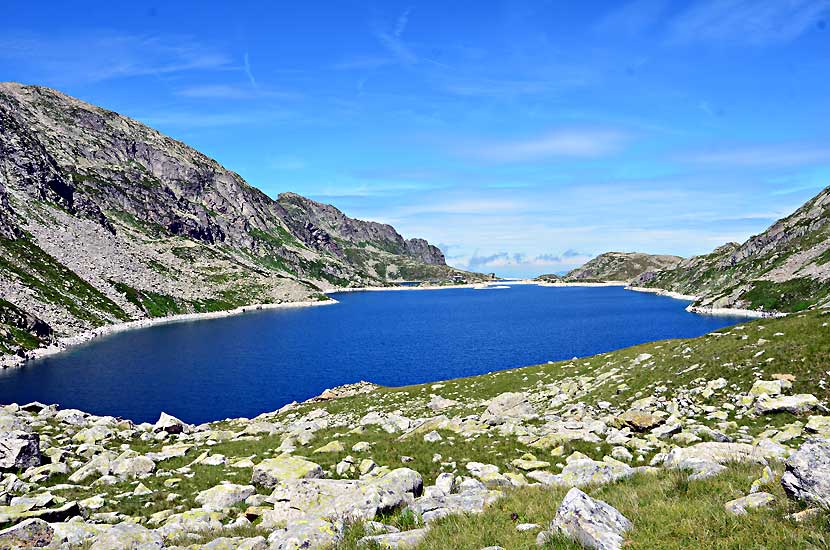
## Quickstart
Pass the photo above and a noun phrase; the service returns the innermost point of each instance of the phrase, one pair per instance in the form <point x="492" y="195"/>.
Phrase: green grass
<point x="792" y="295"/>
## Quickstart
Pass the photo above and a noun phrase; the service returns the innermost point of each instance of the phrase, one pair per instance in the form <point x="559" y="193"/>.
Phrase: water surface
<point x="256" y="362"/>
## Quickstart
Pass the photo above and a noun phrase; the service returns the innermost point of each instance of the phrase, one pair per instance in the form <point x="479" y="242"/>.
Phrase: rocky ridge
<point x="737" y="418"/>
<point x="105" y="220"/>
<point x="621" y="266"/>
<point x="786" y="268"/>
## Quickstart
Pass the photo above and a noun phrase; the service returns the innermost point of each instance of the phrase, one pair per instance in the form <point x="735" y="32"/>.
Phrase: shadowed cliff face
<point x="785" y="268"/>
<point x="103" y="219"/>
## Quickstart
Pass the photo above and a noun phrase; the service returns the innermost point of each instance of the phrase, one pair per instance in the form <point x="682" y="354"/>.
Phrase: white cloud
<point x="94" y="56"/>
<point x="767" y="156"/>
<point x="755" y="22"/>
<point x="227" y="91"/>
<point x="578" y="143"/>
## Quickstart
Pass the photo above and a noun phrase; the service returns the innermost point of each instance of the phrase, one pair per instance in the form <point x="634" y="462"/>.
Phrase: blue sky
<point x="522" y="137"/>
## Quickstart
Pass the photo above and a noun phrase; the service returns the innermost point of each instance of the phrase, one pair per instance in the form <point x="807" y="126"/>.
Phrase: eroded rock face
<point x="592" y="523"/>
<point x="19" y="449"/>
<point x="807" y="475"/>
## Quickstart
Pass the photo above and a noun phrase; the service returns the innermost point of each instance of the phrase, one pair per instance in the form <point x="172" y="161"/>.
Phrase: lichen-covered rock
<point x="585" y="471"/>
<point x="31" y="533"/>
<point x="592" y="523"/>
<point x="510" y="405"/>
<point x="342" y="498"/>
<point x="127" y="536"/>
<point x="640" y="421"/>
<point x="19" y="450"/>
<point x="767" y="387"/>
<point x="794" y="404"/>
<point x="739" y="506"/>
<point x="270" y="472"/>
<point x="306" y="533"/>
<point x="393" y="541"/>
<point x="224" y="496"/>
<point x="807" y="475"/>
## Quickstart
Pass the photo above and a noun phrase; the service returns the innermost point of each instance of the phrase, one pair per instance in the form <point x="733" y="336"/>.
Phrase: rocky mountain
<point x="103" y="219"/>
<point x="785" y="268"/>
<point x="621" y="266"/>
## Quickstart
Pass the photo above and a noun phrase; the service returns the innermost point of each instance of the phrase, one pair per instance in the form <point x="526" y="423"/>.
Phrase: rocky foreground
<point x="729" y="432"/>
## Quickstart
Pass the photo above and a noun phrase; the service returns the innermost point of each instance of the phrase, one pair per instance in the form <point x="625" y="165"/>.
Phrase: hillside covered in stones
<point x="785" y="268"/>
<point x="104" y="220"/>
<point x="713" y="442"/>
<point x="620" y="266"/>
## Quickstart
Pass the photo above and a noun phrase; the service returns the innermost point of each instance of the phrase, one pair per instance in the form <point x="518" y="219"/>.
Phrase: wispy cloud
<point x="248" y="72"/>
<point x="767" y="156"/>
<point x="227" y="91"/>
<point x="393" y="41"/>
<point x="755" y="22"/>
<point x="632" y="18"/>
<point x="94" y="56"/>
<point x="577" y="143"/>
<point x="519" y="259"/>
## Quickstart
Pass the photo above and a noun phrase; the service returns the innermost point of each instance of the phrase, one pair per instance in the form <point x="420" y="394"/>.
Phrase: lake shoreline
<point x="67" y="342"/>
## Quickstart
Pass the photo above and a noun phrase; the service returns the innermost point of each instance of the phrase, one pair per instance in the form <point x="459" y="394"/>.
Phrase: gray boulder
<point x="404" y="539"/>
<point x="270" y="472"/>
<point x="19" y="450"/>
<point x="510" y="405"/>
<point x="127" y="536"/>
<point x="592" y="523"/>
<point x="224" y="496"/>
<point x="31" y="533"/>
<point x="807" y="475"/>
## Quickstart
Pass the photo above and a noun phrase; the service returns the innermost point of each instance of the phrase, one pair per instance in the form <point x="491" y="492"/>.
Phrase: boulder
<point x="767" y="387"/>
<point x="640" y="421"/>
<point x="592" y="523"/>
<point x="169" y="424"/>
<point x="336" y="499"/>
<point x="585" y="471"/>
<point x="270" y="472"/>
<point x="127" y="536"/>
<point x="795" y="404"/>
<point x="389" y="541"/>
<point x="224" y="496"/>
<point x="739" y="506"/>
<point x="807" y="475"/>
<point x="315" y="533"/>
<point x="31" y="533"/>
<point x="19" y="450"/>
<point x="510" y="405"/>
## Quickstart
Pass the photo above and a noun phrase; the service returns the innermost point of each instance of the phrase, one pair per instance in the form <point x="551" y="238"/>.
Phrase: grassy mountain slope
<point x="785" y="268"/>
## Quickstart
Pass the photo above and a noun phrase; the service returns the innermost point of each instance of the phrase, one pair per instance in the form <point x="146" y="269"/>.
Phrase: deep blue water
<point x="256" y="362"/>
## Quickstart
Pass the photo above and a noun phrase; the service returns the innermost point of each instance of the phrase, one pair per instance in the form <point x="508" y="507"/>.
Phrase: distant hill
<point x="785" y="268"/>
<point x="103" y="219"/>
<point x="620" y="266"/>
